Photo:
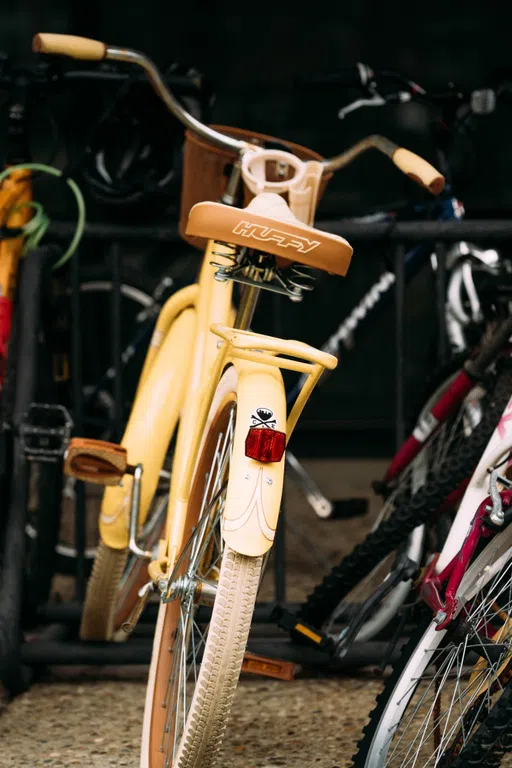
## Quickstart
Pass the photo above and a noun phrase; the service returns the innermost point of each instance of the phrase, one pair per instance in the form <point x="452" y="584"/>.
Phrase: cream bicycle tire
<point x="205" y="721"/>
<point x="108" y="602"/>
<point x="98" y="616"/>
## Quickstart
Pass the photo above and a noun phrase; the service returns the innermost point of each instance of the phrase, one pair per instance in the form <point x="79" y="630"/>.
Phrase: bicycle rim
<point x="450" y="684"/>
<point x="197" y="657"/>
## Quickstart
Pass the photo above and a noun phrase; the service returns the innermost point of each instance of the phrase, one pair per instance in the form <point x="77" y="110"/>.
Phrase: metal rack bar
<point x="399" y="345"/>
<point x="115" y="330"/>
<point x="402" y="231"/>
<point x="69" y="612"/>
<point x="77" y="389"/>
<point x="139" y="652"/>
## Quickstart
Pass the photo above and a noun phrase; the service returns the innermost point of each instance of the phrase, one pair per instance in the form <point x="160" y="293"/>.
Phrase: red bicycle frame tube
<point x="441" y="411"/>
<point x="5" y="332"/>
<point x="432" y="582"/>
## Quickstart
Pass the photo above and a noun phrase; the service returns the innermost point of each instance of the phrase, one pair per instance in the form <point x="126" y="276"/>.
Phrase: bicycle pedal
<point x="267" y="667"/>
<point x="300" y="631"/>
<point x="96" y="461"/>
<point x="144" y="595"/>
<point x="44" y="432"/>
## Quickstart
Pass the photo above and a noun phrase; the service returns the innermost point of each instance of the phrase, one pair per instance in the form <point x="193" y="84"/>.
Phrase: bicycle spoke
<point x="200" y="558"/>
<point x="413" y="741"/>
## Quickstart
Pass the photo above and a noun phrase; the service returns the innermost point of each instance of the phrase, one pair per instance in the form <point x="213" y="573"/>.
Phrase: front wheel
<point x="441" y="707"/>
<point x="198" y="655"/>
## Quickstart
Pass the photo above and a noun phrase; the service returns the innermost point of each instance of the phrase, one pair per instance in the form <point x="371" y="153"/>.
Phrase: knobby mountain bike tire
<point x="13" y="544"/>
<point x="489" y="744"/>
<point x="493" y="739"/>
<point x="408" y="514"/>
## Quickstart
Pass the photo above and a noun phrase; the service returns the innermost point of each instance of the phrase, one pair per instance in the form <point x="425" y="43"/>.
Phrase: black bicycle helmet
<point x="133" y="160"/>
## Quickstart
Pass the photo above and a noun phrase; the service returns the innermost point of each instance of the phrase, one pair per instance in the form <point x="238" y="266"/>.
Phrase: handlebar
<point x="82" y="48"/>
<point x="412" y="165"/>
<point x="381" y="88"/>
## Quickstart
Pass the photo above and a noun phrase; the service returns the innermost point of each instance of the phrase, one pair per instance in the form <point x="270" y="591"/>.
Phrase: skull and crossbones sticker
<point x="263" y="417"/>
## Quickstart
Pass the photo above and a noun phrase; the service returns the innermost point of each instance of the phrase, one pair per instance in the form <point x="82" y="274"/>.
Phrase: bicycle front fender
<point x="255" y="489"/>
<point x="152" y="422"/>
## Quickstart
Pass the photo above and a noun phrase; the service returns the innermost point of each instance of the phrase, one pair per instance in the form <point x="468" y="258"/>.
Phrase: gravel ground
<point x="73" y="720"/>
<point x="91" y="718"/>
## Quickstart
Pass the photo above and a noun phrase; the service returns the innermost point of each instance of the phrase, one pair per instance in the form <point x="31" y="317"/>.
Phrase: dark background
<point x="253" y="55"/>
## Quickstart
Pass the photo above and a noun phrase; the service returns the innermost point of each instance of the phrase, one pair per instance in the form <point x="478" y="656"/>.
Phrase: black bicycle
<point x="44" y="393"/>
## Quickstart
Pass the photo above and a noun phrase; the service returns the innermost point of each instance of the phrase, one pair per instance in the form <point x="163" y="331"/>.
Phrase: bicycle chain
<point x="345" y="576"/>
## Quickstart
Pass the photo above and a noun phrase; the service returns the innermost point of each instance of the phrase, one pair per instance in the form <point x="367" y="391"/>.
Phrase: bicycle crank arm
<point x="303" y="480"/>
<point x="134" y="515"/>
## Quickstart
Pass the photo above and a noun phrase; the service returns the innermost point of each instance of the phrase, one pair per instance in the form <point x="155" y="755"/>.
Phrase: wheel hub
<point x="183" y="588"/>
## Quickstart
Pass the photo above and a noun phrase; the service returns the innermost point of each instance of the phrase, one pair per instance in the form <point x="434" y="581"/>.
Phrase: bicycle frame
<point x="170" y="383"/>
<point x="204" y="315"/>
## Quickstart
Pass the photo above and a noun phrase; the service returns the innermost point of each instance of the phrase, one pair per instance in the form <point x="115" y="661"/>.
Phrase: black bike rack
<point x="57" y="643"/>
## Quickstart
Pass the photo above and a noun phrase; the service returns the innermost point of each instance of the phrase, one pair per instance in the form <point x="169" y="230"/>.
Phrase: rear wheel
<point x="116" y="577"/>
<point x="197" y="657"/>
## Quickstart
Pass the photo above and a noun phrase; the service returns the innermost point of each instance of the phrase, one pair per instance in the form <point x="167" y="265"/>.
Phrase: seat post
<point x="250" y="293"/>
<point x="245" y="311"/>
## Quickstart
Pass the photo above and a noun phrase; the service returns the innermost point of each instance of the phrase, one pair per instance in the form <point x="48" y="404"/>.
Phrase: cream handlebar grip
<point x="418" y="170"/>
<point x="69" y="45"/>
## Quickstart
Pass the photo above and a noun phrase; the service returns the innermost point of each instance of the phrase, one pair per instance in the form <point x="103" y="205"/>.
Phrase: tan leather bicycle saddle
<point x="268" y="225"/>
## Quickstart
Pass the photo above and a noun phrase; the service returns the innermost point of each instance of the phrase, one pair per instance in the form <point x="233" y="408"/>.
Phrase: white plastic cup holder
<point x="254" y="171"/>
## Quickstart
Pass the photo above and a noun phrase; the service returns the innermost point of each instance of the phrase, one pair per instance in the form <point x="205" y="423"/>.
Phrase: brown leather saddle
<point x="268" y="224"/>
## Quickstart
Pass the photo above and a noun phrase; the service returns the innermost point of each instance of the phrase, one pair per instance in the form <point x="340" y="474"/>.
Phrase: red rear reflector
<point x="265" y="445"/>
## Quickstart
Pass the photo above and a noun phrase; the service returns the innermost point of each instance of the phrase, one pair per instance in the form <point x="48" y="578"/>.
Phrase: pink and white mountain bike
<point x="448" y="702"/>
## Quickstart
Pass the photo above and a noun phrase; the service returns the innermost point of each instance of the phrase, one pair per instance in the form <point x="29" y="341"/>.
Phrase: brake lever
<point x="376" y="100"/>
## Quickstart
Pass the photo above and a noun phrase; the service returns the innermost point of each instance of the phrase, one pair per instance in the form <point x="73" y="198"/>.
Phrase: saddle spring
<point x="260" y="270"/>
<point x="232" y="255"/>
<point x="301" y="277"/>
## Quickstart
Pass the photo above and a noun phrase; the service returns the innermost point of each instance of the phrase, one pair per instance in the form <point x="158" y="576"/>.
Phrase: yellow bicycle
<point x="204" y="548"/>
